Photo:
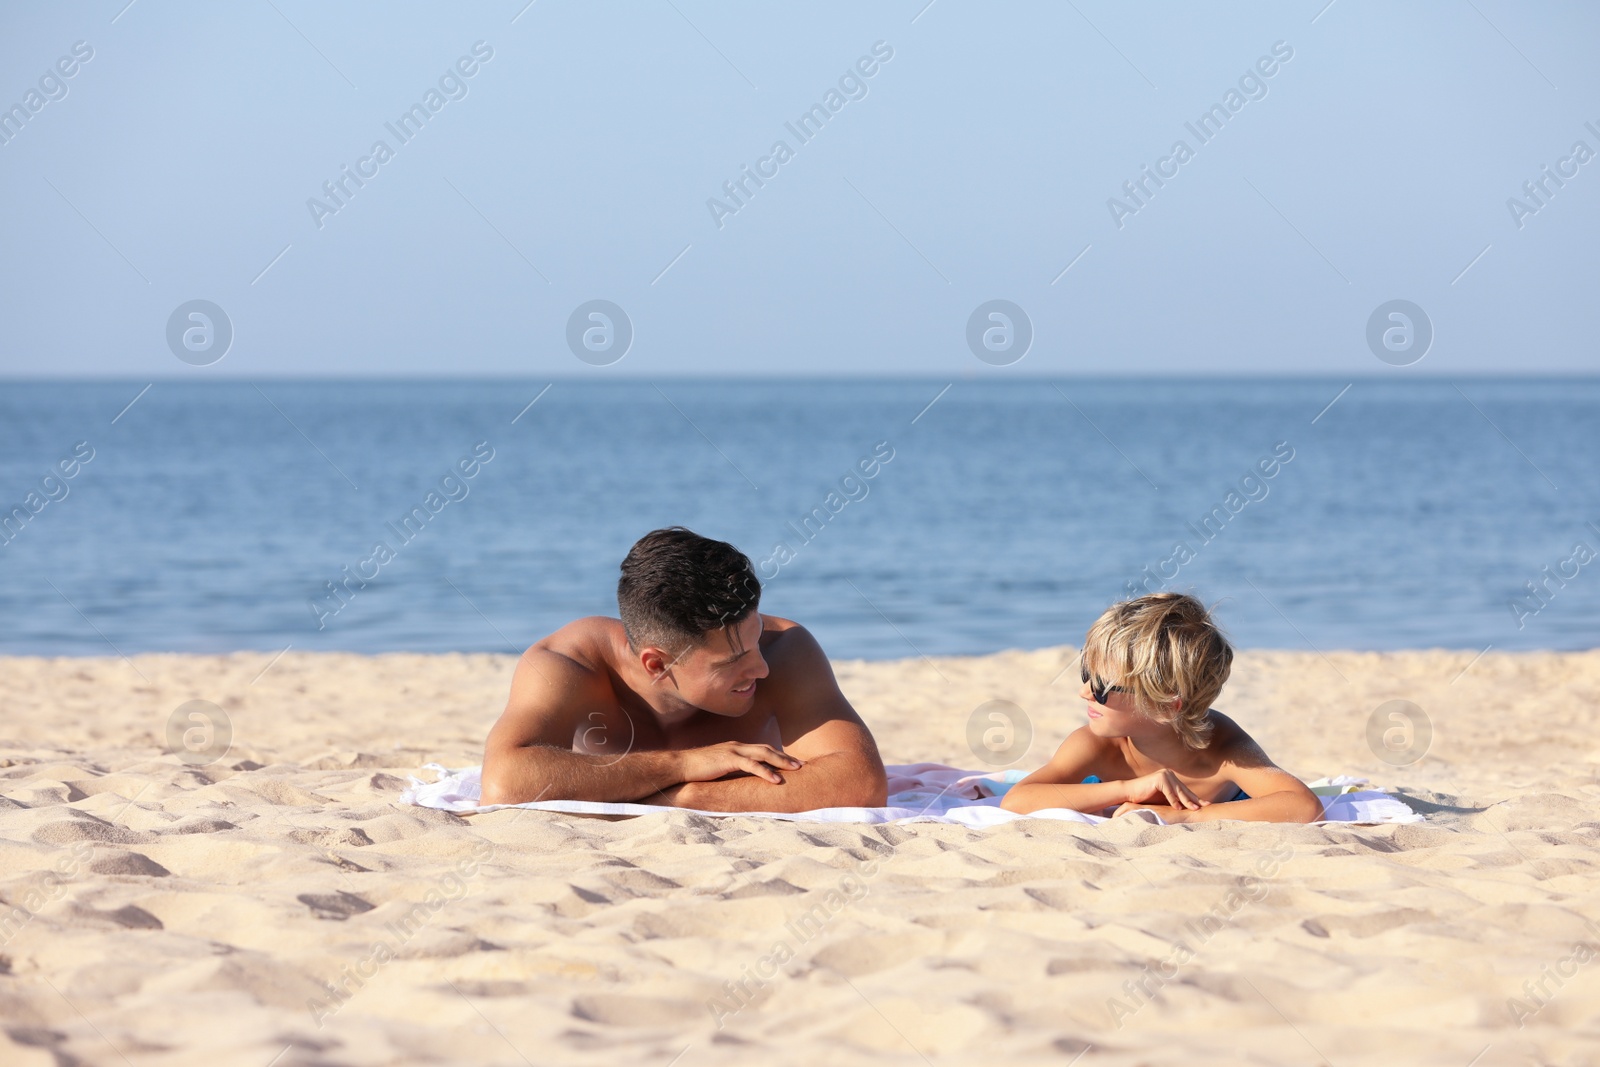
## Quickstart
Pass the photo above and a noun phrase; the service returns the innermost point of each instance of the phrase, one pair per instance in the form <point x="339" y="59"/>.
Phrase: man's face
<point x="720" y="674"/>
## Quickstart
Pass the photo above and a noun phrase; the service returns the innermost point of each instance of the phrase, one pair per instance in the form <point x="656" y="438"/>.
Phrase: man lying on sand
<point x="1152" y="667"/>
<point x="693" y="699"/>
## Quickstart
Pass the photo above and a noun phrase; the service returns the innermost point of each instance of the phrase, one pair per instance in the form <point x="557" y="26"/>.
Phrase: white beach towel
<point x="918" y="792"/>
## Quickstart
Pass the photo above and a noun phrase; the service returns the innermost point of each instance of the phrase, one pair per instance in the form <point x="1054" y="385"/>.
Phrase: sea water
<point x="893" y="518"/>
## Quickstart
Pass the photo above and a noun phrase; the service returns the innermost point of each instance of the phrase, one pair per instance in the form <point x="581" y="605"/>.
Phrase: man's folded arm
<point x="850" y="776"/>
<point x="544" y="771"/>
<point x="842" y="766"/>
<point x="528" y="755"/>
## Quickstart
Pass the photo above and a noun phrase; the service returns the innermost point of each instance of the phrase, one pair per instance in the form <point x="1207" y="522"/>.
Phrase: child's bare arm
<point x="1285" y="805"/>
<point x="1059" y="783"/>
<point x="1275" y="794"/>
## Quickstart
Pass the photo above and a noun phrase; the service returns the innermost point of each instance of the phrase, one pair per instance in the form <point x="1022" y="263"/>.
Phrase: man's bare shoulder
<point x="783" y="640"/>
<point x="800" y="688"/>
<point x="587" y="644"/>
<point x="802" y="696"/>
<point x="799" y="668"/>
<point x="558" y="680"/>
<point x="576" y="663"/>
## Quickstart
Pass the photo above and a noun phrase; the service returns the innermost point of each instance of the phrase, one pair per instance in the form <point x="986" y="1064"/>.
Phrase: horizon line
<point x="712" y="377"/>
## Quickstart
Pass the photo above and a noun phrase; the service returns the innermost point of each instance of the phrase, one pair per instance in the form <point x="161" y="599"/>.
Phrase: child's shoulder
<point x="1085" y="737"/>
<point x="1083" y="744"/>
<point x="1231" y="742"/>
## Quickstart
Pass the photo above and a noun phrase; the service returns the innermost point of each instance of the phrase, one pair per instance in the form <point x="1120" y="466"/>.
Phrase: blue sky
<point x="976" y="163"/>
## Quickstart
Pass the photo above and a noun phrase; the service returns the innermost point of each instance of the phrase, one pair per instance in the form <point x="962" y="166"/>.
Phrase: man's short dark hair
<point x="677" y="587"/>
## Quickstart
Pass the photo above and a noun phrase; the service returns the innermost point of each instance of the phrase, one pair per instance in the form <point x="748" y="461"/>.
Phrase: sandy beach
<point x="277" y="907"/>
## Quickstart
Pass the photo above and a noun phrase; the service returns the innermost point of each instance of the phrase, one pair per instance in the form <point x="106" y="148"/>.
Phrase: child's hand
<point x="1168" y="815"/>
<point x="1163" y="787"/>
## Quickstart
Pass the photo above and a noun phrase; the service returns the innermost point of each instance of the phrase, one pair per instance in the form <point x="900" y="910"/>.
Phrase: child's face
<point x="1119" y="716"/>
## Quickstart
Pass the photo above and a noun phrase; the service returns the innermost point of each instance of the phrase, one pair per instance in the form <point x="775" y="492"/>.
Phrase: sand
<point x="162" y="912"/>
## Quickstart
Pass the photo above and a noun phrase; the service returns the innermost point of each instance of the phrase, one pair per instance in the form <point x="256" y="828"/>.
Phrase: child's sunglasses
<point x="1100" y="689"/>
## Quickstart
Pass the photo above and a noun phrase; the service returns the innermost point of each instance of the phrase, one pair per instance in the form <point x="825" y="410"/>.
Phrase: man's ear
<point x="655" y="662"/>
<point x="658" y="662"/>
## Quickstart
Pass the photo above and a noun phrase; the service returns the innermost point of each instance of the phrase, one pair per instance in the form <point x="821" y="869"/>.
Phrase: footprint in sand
<point x="127" y="863"/>
<point x="339" y="906"/>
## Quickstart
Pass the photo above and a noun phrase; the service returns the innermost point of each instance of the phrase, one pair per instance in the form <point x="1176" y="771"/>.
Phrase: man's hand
<point x="834" y="762"/>
<point x="1162" y="787"/>
<point x="716" y="761"/>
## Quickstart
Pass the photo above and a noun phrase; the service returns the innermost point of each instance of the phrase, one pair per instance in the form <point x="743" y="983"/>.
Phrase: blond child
<point x="1151" y="668"/>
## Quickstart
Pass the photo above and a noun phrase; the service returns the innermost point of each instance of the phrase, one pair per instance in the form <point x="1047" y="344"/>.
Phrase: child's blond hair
<point x="1163" y="648"/>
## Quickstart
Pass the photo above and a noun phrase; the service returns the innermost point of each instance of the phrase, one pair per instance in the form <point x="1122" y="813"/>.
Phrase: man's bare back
<point x="751" y="719"/>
